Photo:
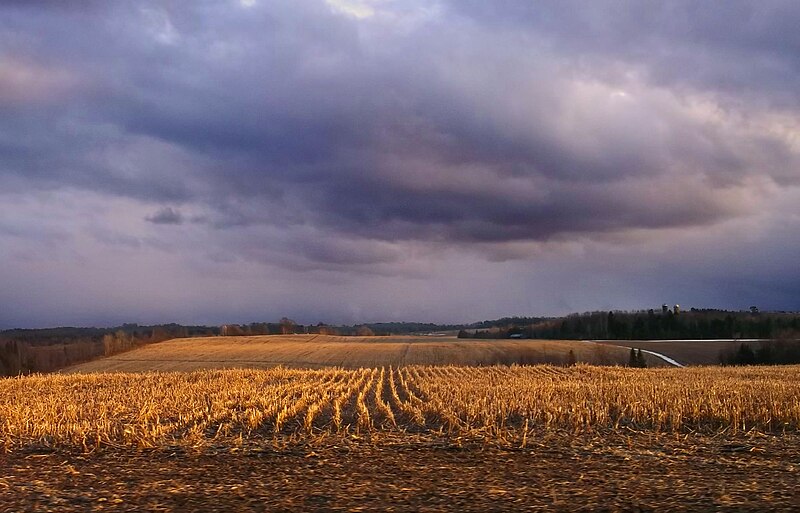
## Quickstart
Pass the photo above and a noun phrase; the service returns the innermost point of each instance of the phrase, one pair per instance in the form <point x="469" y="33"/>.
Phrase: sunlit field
<point x="322" y="351"/>
<point x="499" y="404"/>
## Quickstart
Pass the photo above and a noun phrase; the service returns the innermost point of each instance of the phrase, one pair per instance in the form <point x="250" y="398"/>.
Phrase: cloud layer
<point x="376" y="148"/>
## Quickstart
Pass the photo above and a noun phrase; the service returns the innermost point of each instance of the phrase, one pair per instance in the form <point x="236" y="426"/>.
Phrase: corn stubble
<point x="507" y="405"/>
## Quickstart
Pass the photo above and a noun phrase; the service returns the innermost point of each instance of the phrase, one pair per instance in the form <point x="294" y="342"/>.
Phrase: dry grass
<point x="501" y="404"/>
<point x="320" y="351"/>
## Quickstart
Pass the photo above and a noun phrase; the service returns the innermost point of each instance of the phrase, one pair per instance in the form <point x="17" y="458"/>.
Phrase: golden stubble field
<point x="499" y="404"/>
<point x="321" y="351"/>
<point x="408" y="438"/>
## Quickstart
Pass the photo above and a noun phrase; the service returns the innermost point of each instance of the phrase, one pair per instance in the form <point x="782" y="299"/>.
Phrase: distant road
<point x="657" y="355"/>
<point x="681" y="352"/>
<point x="663" y="357"/>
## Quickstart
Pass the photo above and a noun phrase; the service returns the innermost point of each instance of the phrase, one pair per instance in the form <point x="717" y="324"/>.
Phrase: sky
<point x="349" y="161"/>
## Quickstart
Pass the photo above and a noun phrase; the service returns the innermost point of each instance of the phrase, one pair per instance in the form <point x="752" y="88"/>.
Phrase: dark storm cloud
<point x="738" y="47"/>
<point x="167" y="215"/>
<point x="393" y="214"/>
<point x="519" y="122"/>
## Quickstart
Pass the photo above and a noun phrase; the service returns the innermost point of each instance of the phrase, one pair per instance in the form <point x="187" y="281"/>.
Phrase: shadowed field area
<point x="689" y="352"/>
<point x="317" y="351"/>
<point x="557" y="472"/>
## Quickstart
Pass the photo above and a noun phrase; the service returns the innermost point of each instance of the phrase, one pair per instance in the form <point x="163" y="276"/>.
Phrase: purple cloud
<point x="166" y="215"/>
<point x="400" y="140"/>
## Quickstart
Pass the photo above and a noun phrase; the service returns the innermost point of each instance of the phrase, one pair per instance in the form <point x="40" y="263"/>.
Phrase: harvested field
<point x="502" y="405"/>
<point x="318" y="351"/>
<point x="415" y="438"/>
<point x="688" y="352"/>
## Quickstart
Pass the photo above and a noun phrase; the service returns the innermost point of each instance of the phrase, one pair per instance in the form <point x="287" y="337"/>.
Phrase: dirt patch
<point x="561" y="472"/>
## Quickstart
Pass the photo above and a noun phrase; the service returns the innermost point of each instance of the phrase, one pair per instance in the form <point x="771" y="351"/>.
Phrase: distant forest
<point x="651" y="325"/>
<point x="23" y="351"/>
<point x="779" y="331"/>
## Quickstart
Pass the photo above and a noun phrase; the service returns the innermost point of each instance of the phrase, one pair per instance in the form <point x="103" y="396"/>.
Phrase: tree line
<point x="44" y="350"/>
<point x="651" y="325"/>
<point x="287" y="326"/>
<point x="771" y="352"/>
<point x="24" y="351"/>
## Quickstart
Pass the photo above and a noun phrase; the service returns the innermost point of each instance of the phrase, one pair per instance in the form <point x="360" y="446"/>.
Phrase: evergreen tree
<point x="640" y="361"/>
<point x="745" y="355"/>
<point x="632" y="360"/>
<point x="571" y="359"/>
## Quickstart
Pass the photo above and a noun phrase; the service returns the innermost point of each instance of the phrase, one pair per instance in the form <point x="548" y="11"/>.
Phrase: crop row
<point x="157" y="409"/>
